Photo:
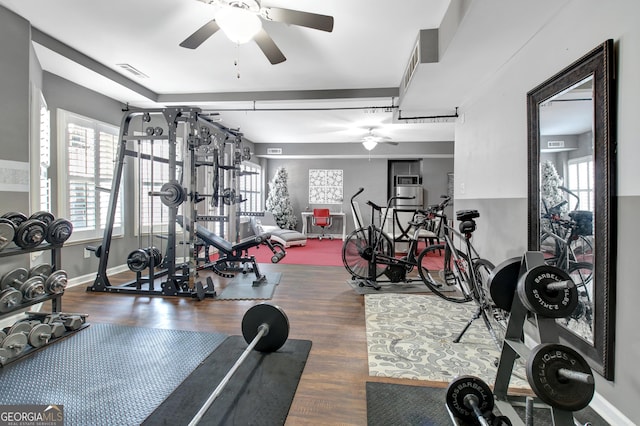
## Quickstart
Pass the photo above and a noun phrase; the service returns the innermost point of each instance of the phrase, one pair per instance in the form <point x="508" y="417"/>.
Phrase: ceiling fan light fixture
<point x="369" y="144"/>
<point x="239" y="24"/>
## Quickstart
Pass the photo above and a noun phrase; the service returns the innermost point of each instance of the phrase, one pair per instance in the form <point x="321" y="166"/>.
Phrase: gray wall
<point x="491" y="161"/>
<point x="358" y="172"/>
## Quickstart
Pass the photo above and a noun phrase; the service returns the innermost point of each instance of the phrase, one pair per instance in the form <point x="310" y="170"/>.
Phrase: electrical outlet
<point x="87" y="254"/>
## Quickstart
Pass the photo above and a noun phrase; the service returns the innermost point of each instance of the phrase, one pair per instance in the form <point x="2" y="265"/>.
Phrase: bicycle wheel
<point x="443" y="275"/>
<point x="357" y="253"/>
<point x="580" y="321"/>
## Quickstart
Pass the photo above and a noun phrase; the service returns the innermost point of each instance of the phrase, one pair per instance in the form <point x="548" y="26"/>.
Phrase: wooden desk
<point x="307" y="215"/>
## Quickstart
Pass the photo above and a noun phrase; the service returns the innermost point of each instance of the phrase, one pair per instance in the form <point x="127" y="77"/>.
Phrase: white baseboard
<point x="608" y="412"/>
<point x="89" y="278"/>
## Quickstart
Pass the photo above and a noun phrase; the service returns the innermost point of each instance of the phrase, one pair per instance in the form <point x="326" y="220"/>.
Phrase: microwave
<point x="403" y="180"/>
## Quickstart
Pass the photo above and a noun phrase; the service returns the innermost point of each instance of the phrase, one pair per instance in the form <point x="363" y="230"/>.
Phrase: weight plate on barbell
<point x="42" y="269"/>
<point x="39" y="335"/>
<point x="14" y="344"/>
<point x="9" y="299"/>
<point x="532" y="290"/>
<point x="138" y="260"/>
<point x="229" y="196"/>
<point x="7" y="234"/>
<point x="550" y="386"/>
<point x="274" y="318"/>
<point x="8" y="279"/>
<point x="43" y="216"/>
<point x="59" y="231"/>
<point x="15" y="217"/>
<point x="30" y="233"/>
<point x="503" y="281"/>
<point x="173" y="194"/>
<point x="463" y="386"/>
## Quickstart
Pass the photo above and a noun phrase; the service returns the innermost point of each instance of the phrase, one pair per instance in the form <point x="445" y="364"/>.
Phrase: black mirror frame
<point x="600" y="64"/>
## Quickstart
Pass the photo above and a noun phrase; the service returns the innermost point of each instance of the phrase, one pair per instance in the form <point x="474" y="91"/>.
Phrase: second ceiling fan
<point x="241" y="21"/>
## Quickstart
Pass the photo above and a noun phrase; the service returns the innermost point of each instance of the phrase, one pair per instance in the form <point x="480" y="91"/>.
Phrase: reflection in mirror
<point x="571" y="195"/>
<point x="566" y="195"/>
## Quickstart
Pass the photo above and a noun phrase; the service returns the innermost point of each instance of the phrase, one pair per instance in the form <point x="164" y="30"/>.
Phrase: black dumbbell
<point x="29" y="233"/>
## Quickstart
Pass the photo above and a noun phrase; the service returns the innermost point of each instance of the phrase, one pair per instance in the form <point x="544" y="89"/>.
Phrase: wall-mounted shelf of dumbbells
<point x="205" y="143"/>
<point x="21" y="288"/>
<point x="560" y="377"/>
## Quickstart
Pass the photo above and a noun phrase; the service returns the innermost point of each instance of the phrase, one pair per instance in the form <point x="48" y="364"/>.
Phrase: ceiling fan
<point x="241" y="21"/>
<point x="371" y="140"/>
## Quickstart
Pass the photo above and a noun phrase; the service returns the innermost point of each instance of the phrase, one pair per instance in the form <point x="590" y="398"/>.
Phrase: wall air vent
<point x="274" y="151"/>
<point x="411" y="67"/>
<point x="555" y="144"/>
<point x="133" y="70"/>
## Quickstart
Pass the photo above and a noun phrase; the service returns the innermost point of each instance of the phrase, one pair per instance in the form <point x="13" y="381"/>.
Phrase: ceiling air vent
<point x="133" y="70"/>
<point x="274" y="151"/>
<point x="555" y="144"/>
<point x="411" y="67"/>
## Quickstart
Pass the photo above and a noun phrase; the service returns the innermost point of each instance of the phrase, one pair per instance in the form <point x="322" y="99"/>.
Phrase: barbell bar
<point x="265" y="328"/>
<point x="172" y="194"/>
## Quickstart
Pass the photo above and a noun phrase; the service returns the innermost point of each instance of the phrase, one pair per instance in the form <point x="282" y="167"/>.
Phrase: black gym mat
<point x="241" y="287"/>
<point x="107" y="374"/>
<point x="259" y="393"/>
<point x="393" y="404"/>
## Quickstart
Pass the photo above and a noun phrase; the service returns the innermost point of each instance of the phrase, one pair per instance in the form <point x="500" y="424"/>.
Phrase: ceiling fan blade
<point x="304" y="19"/>
<point x="202" y="34"/>
<point x="269" y="48"/>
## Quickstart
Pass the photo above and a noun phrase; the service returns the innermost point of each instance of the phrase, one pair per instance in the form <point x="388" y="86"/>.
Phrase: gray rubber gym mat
<point x="107" y="374"/>
<point x="393" y="404"/>
<point x="241" y="287"/>
<point x="259" y="393"/>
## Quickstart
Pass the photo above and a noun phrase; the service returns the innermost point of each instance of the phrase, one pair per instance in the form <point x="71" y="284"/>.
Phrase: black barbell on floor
<point x="265" y="328"/>
<point x="470" y="400"/>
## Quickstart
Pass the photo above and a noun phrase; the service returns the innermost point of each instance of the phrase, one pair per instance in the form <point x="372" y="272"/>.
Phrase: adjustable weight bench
<point x="230" y="253"/>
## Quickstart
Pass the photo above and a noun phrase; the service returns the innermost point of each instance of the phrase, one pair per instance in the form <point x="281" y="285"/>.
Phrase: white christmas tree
<point x="550" y="193"/>
<point x="278" y="201"/>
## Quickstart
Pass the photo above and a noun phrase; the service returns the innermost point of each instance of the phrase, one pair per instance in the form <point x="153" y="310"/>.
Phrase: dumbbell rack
<point x="514" y="347"/>
<point x="56" y="299"/>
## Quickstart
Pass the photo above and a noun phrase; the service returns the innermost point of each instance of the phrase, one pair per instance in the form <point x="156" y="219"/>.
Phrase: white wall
<point x="491" y="157"/>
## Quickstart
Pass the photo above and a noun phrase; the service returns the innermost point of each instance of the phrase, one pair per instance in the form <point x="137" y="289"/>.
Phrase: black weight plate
<point x="532" y="290"/>
<point x="542" y="372"/>
<point x="462" y="386"/>
<point x="30" y="234"/>
<point x="8" y="222"/>
<point x="59" y="231"/>
<point x="278" y="324"/>
<point x="15" y="217"/>
<point x="43" y="216"/>
<point x="503" y="281"/>
<point x="138" y="260"/>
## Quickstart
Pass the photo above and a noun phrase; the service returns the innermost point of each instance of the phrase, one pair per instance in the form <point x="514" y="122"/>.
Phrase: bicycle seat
<point x="464" y="215"/>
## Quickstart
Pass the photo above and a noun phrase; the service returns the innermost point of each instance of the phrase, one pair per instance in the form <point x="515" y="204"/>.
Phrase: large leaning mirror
<point x="571" y="188"/>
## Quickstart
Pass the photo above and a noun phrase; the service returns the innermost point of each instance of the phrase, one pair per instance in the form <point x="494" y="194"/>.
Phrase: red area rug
<point x="316" y="253"/>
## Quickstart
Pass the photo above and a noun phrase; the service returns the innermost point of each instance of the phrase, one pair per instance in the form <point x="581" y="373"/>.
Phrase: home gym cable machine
<point x="205" y="143"/>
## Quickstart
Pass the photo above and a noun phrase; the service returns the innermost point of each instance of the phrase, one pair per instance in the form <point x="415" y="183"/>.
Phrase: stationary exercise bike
<point x="368" y="252"/>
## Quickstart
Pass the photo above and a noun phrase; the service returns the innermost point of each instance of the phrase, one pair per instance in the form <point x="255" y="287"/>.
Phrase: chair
<point x="322" y="218"/>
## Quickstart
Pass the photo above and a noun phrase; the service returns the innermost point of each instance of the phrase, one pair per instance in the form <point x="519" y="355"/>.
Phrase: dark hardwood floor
<point x="321" y="307"/>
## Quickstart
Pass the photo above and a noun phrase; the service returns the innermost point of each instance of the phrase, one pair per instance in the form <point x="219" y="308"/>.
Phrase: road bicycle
<point x="461" y="276"/>
<point x="368" y="252"/>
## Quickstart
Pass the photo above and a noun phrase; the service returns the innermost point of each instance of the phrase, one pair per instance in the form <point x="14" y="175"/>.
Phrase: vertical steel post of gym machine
<point x="515" y="347"/>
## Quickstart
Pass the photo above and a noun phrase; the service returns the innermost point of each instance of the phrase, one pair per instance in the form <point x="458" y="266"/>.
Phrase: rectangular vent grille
<point x="413" y="64"/>
<point x="274" y="151"/>
<point x="133" y="70"/>
<point x="555" y="144"/>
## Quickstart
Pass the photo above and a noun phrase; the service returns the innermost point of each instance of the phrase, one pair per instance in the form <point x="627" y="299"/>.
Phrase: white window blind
<point x="580" y="181"/>
<point x="250" y="187"/>
<point x="87" y="165"/>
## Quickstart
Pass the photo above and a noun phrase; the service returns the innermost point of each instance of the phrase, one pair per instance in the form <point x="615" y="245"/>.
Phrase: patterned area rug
<point x="411" y="336"/>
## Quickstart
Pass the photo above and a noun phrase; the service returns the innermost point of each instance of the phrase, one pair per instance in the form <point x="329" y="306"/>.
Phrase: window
<point x="87" y="166"/>
<point x="580" y="181"/>
<point x="45" y="157"/>
<point x="250" y="187"/>
<point x="152" y="175"/>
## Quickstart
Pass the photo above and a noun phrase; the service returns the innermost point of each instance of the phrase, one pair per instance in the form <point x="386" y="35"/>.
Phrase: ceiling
<point x="332" y="88"/>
